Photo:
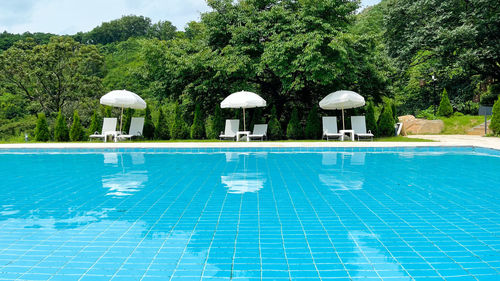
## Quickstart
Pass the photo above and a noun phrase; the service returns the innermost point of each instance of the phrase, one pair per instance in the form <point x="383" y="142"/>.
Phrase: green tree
<point x="313" y="125"/>
<point x="149" y="127"/>
<point x="445" y="108"/>
<point x="42" y="128"/>
<point x="59" y="74"/>
<point x="108" y="111"/>
<point x="94" y="124"/>
<point x="210" y="130"/>
<point x="371" y="123"/>
<point x="163" y="30"/>
<point x="117" y="30"/>
<point x="274" y="125"/>
<point x="294" y="129"/>
<point x="197" y="130"/>
<point x="256" y="117"/>
<point x="161" y="131"/>
<point x="127" y="118"/>
<point x="178" y="126"/>
<point x="495" y="119"/>
<point x="60" y="128"/>
<point x="76" y="132"/>
<point x="218" y="121"/>
<point x="386" y="122"/>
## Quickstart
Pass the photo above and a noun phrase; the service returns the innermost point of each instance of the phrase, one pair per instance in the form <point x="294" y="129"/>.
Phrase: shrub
<point x="94" y="123"/>
<point x="76" y="132"/>
<point x="371" y="123"/>
<point x="127" y="118"/>
<point x="394" y="112"/>
<point x="386" y="122"/>
<point x="218" y="121"/>
<point x="197" y="130"/>
<point x="210" y="130"/>
<point x="294" y="130"/>
<point x="491" y="95"/>
<point x="458" y="114"/>
<point x="178" y="130"/>
<point x="60" y="128"/>
<point x="149" y="127"/>
<point x="161" y="132"/>
<point x="107" y="111"/>
<point x="42" y="128"/>
<point x="495" y="119"/>
<point x="256" y="117"/>
<point x="313" y="125"/>
<point x="274" y="126"/>
<point x="445" y="108"/>
<point x="427" y="113"/>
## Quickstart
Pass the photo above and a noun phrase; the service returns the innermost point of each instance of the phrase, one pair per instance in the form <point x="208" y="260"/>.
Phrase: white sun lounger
<point x="232" y="127"/>
<point x="358" y="125"/>
<point x="259" y="132"/>
<point x="330" y="128"/>
<point x="108" y="128"/>
<point x="136" y="127"/>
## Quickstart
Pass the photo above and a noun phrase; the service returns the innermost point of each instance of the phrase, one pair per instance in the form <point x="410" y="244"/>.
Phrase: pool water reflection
<point x="263" y="215"/>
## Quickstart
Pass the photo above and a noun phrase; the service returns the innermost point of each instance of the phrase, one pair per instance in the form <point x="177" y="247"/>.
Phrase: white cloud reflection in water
<point x="336" y="177"/>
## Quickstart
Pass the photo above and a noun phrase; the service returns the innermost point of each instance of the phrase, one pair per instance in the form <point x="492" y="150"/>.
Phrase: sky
<point x="71" y="16"/>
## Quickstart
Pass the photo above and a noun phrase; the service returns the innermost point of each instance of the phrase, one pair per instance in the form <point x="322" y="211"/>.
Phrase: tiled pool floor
<point x="250" y="216"/>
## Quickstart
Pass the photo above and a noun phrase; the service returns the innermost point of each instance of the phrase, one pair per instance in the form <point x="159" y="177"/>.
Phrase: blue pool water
<point x="336" y="214"/>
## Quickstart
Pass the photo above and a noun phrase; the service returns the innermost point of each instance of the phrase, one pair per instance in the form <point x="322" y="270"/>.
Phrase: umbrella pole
<point x="121" y="119"/>
<point x="244" y="123"/>
<point x="343" y="121"/>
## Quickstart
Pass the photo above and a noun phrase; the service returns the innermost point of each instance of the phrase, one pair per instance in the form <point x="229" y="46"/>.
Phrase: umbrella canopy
<point x="243" y="99"/>
<point x="123" y="99"/>
<point x="342" y="100"/>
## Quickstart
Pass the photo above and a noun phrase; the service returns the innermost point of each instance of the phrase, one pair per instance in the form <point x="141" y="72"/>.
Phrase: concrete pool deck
<point x="440" y="140"/>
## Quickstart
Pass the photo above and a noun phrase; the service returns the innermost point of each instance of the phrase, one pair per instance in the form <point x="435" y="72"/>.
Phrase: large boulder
<point x="416" y="126"/>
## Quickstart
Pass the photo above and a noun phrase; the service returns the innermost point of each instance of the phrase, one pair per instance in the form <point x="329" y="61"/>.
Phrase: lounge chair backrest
<point x="260" y="129"/>
<point x="109" y="125"/>
<point x="136" y="126"/>
<point x="330" y="125"/>
<point x="232" y="127"/>
<point x="358" y="124"/>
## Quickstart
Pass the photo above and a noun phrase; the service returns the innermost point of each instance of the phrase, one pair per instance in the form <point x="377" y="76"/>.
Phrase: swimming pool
<point x="250" y="214"/>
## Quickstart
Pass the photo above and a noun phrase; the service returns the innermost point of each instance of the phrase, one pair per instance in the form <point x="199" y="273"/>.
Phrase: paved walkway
<point x="441" y="140"/>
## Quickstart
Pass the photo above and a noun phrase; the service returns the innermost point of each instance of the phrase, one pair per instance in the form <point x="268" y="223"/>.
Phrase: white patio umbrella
<point x="243" y="99"/>
<point x="342" y="100"/>
<point x="123" y="99"/>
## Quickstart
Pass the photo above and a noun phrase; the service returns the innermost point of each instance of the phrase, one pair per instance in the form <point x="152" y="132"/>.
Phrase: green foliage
<point x="7" y="40"/>
<point x="386" y="122"/>
<point x="107" y="111"/>
<point x="149" y="127"/>
<point x="178" y="131"/>
<point x="257" y="117"/>
<point x="371" y="123"/>
<point x="394" y="112"/>
<point x="294" y="129"/>
<point x="42" y="128"/>
<point x="76" y="133"/>
<point x="427" y="114"/>
<point x="274" y="126"/>
<point x="197" y="129"/>
<point x="17" y="127"/>
<point x="163" y="30"/>
<point x="491" y="95"/>
<point x="127" y="118"/>
<point x="210" y="130"/>
<point x="313" y="124"/>
<point x="495" y="119"/>
<point x="117" y="30"/>
<point x="95" y="123"/>
<point x="445" y="108"/>
<point x="218" y="125"/>
<point x="161" y="131"/>
<point x="61" y="129"/>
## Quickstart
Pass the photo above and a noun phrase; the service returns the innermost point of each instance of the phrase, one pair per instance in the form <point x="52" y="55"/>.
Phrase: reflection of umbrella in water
<point x="340" y="178"/>
<point x="239" y="183"/>
<point x="124" y="184"/>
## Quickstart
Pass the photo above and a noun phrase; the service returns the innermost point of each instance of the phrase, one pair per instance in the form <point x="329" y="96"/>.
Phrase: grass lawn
<point x="401" y="139"/>
<point x="458" y="125"/>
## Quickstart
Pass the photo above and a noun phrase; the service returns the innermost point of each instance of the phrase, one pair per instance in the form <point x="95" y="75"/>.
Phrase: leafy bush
<point x="218" y="121"/>
<point x="149" y="127"/>
<point x="161" y="131"/>
<point x="495" y="119"/>
<point x="178" y="130"/>
<point x="445" y="108"/>
<point x="394" y="112"/>
<point x="294" y="129"/>
<point x="274" y="126"/>
<point x="256" y="117"/>
<point x="107" y="111"/>
<point x="468" y="107"/>
<point x="42" y="128"/>
<point x="371" y="122"/>
<point x="427" y="114"/>
<point x="127" y="119"/>
<point x="94" y="123"/>
<point x="197" y="130"/>
<point x="313" y="125"/>
<point x="491" y="95"/>
<point x="210" y="130"/>
<point x="61" y="129"/>
<point x="76" y="133"/>
<point x="458" y="114"/>
<point x="386" y="122"/>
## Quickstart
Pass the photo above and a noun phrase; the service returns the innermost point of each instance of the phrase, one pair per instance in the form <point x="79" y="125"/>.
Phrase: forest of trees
<point x="400" y="55"/>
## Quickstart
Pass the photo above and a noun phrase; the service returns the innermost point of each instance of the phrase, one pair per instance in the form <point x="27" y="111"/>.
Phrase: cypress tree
<point x="94" y="123"/>
<point x="210" y="130"/>
<point x="445" y="108"/>
<point x="386" y="122"/>
<point x="197" y="130"/>
<point x="127" y="118"/>
<point x="218" y="121"/>
<point x="149" y="127"/>
<point x="161" y="131"/>
<point x="76" y="132"/>
<point x="178" y="126"/>
<point x="60" y="128"/>
<point x="107" y="111"/>
<point x="274" y="126"/>
<point x="495" y="118"/>
<point x="294" y="130"/>
<point x="42" y="128"/>
<point x="256" y="117"/>
<point x="371" y="123"/>
<point x="394" y="112"/>
<point x="313" y="125"/>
